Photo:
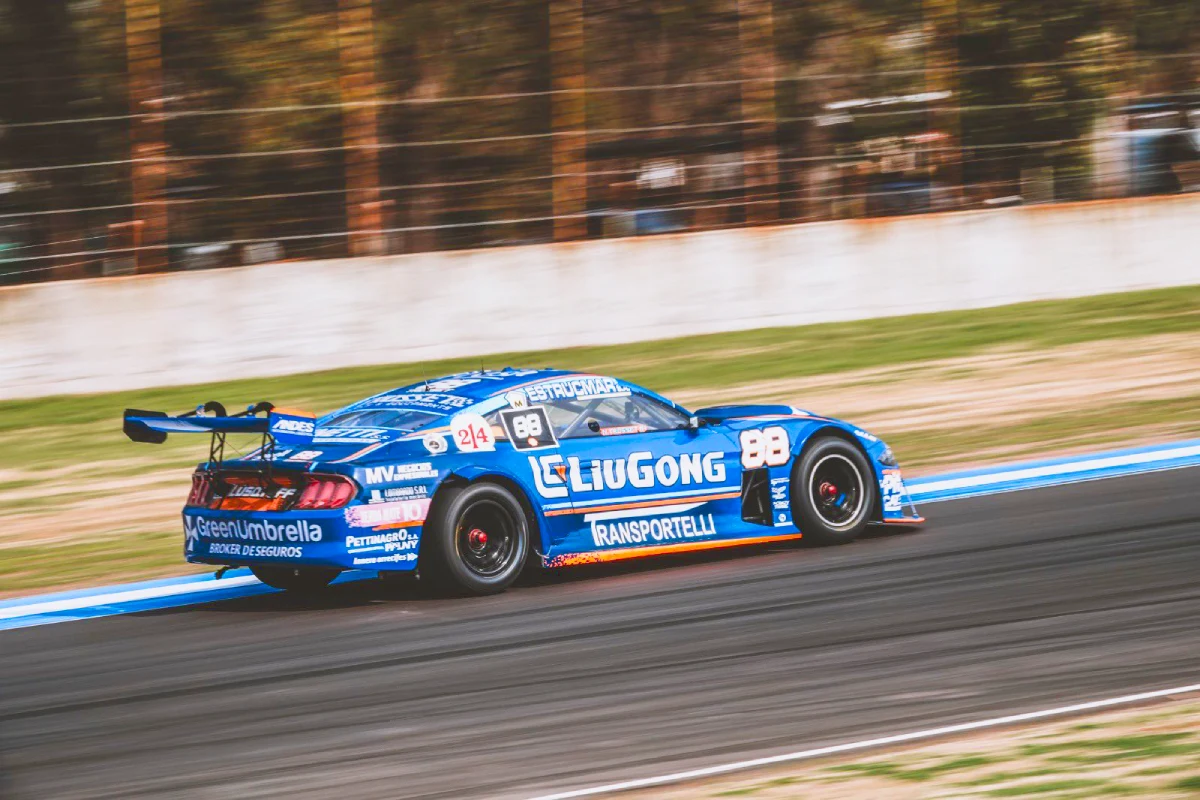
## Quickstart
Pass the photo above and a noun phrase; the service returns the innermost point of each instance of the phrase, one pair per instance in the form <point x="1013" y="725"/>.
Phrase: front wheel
<point x="476" y="540"/>
<point x="300" y="580"/>
<point x="833" y="491"/>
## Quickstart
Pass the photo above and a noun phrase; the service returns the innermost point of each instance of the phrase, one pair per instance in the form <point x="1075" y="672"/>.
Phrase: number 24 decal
<point x="768" y="447"/>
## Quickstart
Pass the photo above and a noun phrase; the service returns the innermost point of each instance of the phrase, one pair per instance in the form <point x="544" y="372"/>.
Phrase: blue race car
<point x="473" y="477"/>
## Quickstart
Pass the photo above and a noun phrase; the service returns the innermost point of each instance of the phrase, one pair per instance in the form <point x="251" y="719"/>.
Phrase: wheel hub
<point x="838" y="491"/>
<point x="477" y="538"/>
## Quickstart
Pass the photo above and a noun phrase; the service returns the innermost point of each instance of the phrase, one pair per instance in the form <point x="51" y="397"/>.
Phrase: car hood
<point x="722" y="413"/>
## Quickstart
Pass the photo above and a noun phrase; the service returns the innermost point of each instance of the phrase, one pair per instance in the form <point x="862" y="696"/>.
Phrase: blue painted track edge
<point x="205" y="588"/>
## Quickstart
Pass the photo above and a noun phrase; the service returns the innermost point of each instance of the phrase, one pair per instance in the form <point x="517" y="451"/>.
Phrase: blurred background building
<point x="150" y="135"/>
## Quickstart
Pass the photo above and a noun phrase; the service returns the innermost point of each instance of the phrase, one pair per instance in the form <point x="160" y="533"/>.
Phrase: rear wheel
<point x="833" y="491"/>
<point x="296" y="579"/>
<point x="476" y="540"/>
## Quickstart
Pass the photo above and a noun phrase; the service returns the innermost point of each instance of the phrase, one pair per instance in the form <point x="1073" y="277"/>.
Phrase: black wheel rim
<point x="837" y="491"/>
<point x="486" y="538"/>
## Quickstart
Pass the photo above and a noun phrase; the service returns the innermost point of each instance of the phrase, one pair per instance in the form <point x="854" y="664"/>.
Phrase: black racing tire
<point x="300" y="580"/>
<point x="834" y="491"/>
<point x="476" y="540"/>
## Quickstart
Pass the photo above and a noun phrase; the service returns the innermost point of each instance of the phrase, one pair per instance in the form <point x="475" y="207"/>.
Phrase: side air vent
<point x="756" y="497"/>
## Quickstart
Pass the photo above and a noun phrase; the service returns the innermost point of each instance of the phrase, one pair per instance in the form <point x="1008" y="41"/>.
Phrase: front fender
<point x="893" y="496"/>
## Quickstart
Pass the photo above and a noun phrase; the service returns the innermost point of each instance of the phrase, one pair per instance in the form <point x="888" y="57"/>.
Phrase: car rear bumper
<point x="307" y="538"/>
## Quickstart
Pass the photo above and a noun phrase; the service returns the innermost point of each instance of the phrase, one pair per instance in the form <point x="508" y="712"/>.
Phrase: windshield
<point x="401" y="419"/>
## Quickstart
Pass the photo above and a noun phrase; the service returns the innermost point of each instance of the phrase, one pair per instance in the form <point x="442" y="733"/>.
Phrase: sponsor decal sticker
<point x="254" y="550"/>
<point x="667" y="524"/>
<point x="621" y="430"/>
<point x="351" y="435"/>
<point x="444" y="385"/>
<point x="396" y="473"/>
<point x="870" y="437"/>
<point x="291" y="428"/>
<point x="528" y="428"/>
<point x="768" y="447"/>
<point x="305" y="455"/>
<point x="583" y="388"/>
<point x="640" y="470"/>
<point x="891" y="488"/>
<point x="779" y="493"/>
<point x="253" y="490"/>
<point x="300" y="531"/>
<point x="397" y="493"/>
<point x="432" y="401"/>
<point x="471" y="433"/>
<point x="390" y="559"/>
<point x="387" y="542"/>
<point x="399" y="512"/>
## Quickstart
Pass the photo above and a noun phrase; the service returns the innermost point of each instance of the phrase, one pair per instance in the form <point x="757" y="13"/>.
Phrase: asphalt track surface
<point x="1000" y="604"/>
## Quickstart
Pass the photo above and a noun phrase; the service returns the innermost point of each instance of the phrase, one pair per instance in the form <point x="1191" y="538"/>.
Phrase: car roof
<point x="482" y="391"/>
<point x="481" y="384"/>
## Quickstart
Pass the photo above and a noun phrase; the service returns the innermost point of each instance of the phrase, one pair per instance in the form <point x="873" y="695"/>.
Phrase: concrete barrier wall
<point x="109" y="334"/>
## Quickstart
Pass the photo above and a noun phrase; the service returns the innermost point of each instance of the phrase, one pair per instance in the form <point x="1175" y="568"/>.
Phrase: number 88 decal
<point x="527" y="425"/>
<point x="768" y="447"/>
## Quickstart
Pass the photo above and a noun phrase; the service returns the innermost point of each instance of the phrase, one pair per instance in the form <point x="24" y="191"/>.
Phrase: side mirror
<point x="694" y="423"/>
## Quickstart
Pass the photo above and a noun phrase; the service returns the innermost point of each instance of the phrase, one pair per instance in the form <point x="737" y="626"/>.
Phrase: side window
<point x="658" y="417"/>
<point x="493" y="421"/>
<point x="611" y="416"/>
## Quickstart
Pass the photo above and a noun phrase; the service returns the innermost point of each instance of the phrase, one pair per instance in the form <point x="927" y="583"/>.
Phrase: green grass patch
<point x="1096" y="751"/>
<point x="1006" y="777"/>
<point x="47" y="432"/>
<point x="1166" y="769"/>
<point x="120" y="558"/>
<point x="1189" y="784"/>
<point x="1090" y="785"/>
<point x="886" y="769"/>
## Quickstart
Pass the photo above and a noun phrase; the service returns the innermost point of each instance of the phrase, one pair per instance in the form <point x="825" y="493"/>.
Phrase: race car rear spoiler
<point x="282" y="426"/>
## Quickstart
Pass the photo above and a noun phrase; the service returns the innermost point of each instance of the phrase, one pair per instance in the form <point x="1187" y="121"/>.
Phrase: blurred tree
<point x="255" y="139"/>
<point x="356" y="35"/>
<point x="148" y="172"/>
<point x="51" y="70"/>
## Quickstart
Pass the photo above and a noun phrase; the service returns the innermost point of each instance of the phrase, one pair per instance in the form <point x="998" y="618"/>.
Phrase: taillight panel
<point x="201" y="493"/>
<point x="326" y="491"/>
<point x="255" y="491"/>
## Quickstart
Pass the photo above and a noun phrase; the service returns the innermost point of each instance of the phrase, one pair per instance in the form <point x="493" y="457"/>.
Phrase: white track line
<point x="124" y="596"/>
<point x="799" y="755"/>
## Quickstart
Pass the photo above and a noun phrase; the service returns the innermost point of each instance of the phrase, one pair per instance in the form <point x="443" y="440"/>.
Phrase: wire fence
<point x="184" y="185"/>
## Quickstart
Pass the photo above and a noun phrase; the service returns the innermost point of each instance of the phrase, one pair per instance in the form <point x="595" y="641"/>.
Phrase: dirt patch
<point x="1004" y="387"/>
<point x="1007" y="384"/>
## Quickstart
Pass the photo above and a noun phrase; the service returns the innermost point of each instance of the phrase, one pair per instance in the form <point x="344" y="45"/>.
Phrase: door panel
<point x="663" y="489"/>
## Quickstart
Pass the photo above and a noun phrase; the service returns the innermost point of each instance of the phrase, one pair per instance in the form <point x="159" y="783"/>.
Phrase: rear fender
<point x="467" y="474"/>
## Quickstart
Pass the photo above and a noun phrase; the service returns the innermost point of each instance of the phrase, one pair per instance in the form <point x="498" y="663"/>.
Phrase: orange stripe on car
<point x="604" y="556"/>
<point x="410" y="523"/>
